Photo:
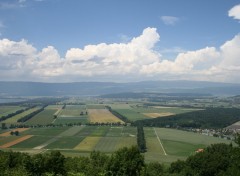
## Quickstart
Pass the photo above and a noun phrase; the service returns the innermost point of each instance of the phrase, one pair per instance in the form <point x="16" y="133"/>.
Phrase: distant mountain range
<point x="102" y="88"/>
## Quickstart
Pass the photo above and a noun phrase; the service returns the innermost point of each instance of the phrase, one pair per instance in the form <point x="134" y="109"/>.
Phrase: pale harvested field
<point x="88" y="144"/>
<point x="154" y="115"/>
<point x="15" y="129"/>
<point x="16" y="141"/>
<point x="102" y="116"/>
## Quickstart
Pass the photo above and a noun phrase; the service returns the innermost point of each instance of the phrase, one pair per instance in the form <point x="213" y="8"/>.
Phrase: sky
<point x="119" y="40"/>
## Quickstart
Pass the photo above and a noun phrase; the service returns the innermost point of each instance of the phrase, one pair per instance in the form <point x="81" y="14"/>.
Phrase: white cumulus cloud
<point x="235" y="12"/>
<point x="131" y="61"/>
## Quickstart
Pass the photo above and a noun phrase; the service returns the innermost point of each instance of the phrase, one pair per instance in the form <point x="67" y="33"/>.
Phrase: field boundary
<point x="160" y="142"/>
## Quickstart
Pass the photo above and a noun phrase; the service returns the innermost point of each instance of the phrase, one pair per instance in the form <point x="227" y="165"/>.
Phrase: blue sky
<point x="113" y="40"/>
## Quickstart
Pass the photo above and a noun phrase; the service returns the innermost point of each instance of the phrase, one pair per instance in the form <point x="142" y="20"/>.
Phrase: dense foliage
<point x="215" y="160"/>
<point x="126" y="161"/>
<point x="209" y="118"/>
<point x="141" y="139"/>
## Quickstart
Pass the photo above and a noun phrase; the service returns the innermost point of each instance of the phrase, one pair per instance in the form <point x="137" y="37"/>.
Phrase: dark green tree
<point x="154" y="169"/>
<point x="55" y="163"/>
<point x="16" y="133"/>
<point x="126" y="161"/>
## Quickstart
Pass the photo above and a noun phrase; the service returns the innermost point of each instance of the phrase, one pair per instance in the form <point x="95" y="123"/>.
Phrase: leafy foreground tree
<point x="216" y="160"/>
<point x="125" y="162"/>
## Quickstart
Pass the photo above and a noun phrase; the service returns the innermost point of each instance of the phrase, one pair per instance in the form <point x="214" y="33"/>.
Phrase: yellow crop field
<point x="154" y="115"/>
<point x="102" y="116"/>
<point x="88" y="144"/>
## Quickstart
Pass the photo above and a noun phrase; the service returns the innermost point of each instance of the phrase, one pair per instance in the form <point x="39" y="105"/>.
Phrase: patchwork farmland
<point x="75" y="130"/>
<point x="84" y="139"/>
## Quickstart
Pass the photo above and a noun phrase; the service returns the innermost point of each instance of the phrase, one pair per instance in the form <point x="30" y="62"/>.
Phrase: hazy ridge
<point x="101" y="88"/>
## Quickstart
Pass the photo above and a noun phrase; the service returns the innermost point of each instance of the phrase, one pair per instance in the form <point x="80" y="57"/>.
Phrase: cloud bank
<point x="132" y="61"/>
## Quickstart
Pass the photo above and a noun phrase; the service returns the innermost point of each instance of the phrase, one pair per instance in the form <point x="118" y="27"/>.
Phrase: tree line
<point x="141" y="139"/>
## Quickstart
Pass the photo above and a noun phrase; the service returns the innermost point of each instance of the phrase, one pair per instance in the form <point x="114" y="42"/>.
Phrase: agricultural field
<point x="7" y="133"/>
<point x="156" y="114"/>
<point x="168" y="145"/>
<point x="56" y="107"/>
<point x="137" y="112"/>
<point x="163" y="145"/>
<point x="162" y="111"/>
<point x="16" y="141"/>
<point x="116" y="106"/>
<point x="73" y="111"/>
<point x="131" y="115"/>
<point x="72" y="114"/>
<point x="95" y="106"/>
<point x="5" y="110"/>
<point x="43" y="118"/>
<point x="14" y="119"/>
<point x="102" y="116"/>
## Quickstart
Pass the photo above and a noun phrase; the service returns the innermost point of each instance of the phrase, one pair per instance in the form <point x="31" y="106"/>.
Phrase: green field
<point x="95" y="106"/>
<point x="15" y="118"/>
<point x="137" y="112"/>
<point x="73" y="111"/>
<point x="131" y="114"/>
<point x="43" y="118"/>
<point x="159" y="109"/>
<point x="177" y="144"/>
<point x="47" y="131"/>
<point x="4" y="140"/>
<point x="120" y="106"/>
<point x="32" y="142"/>
<point x="5" y="110"/>
<point x="72" y="114"/>
<point x="65" y="143"/>
<point x="72" y="120"/>
<point x="54" y="107"/>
